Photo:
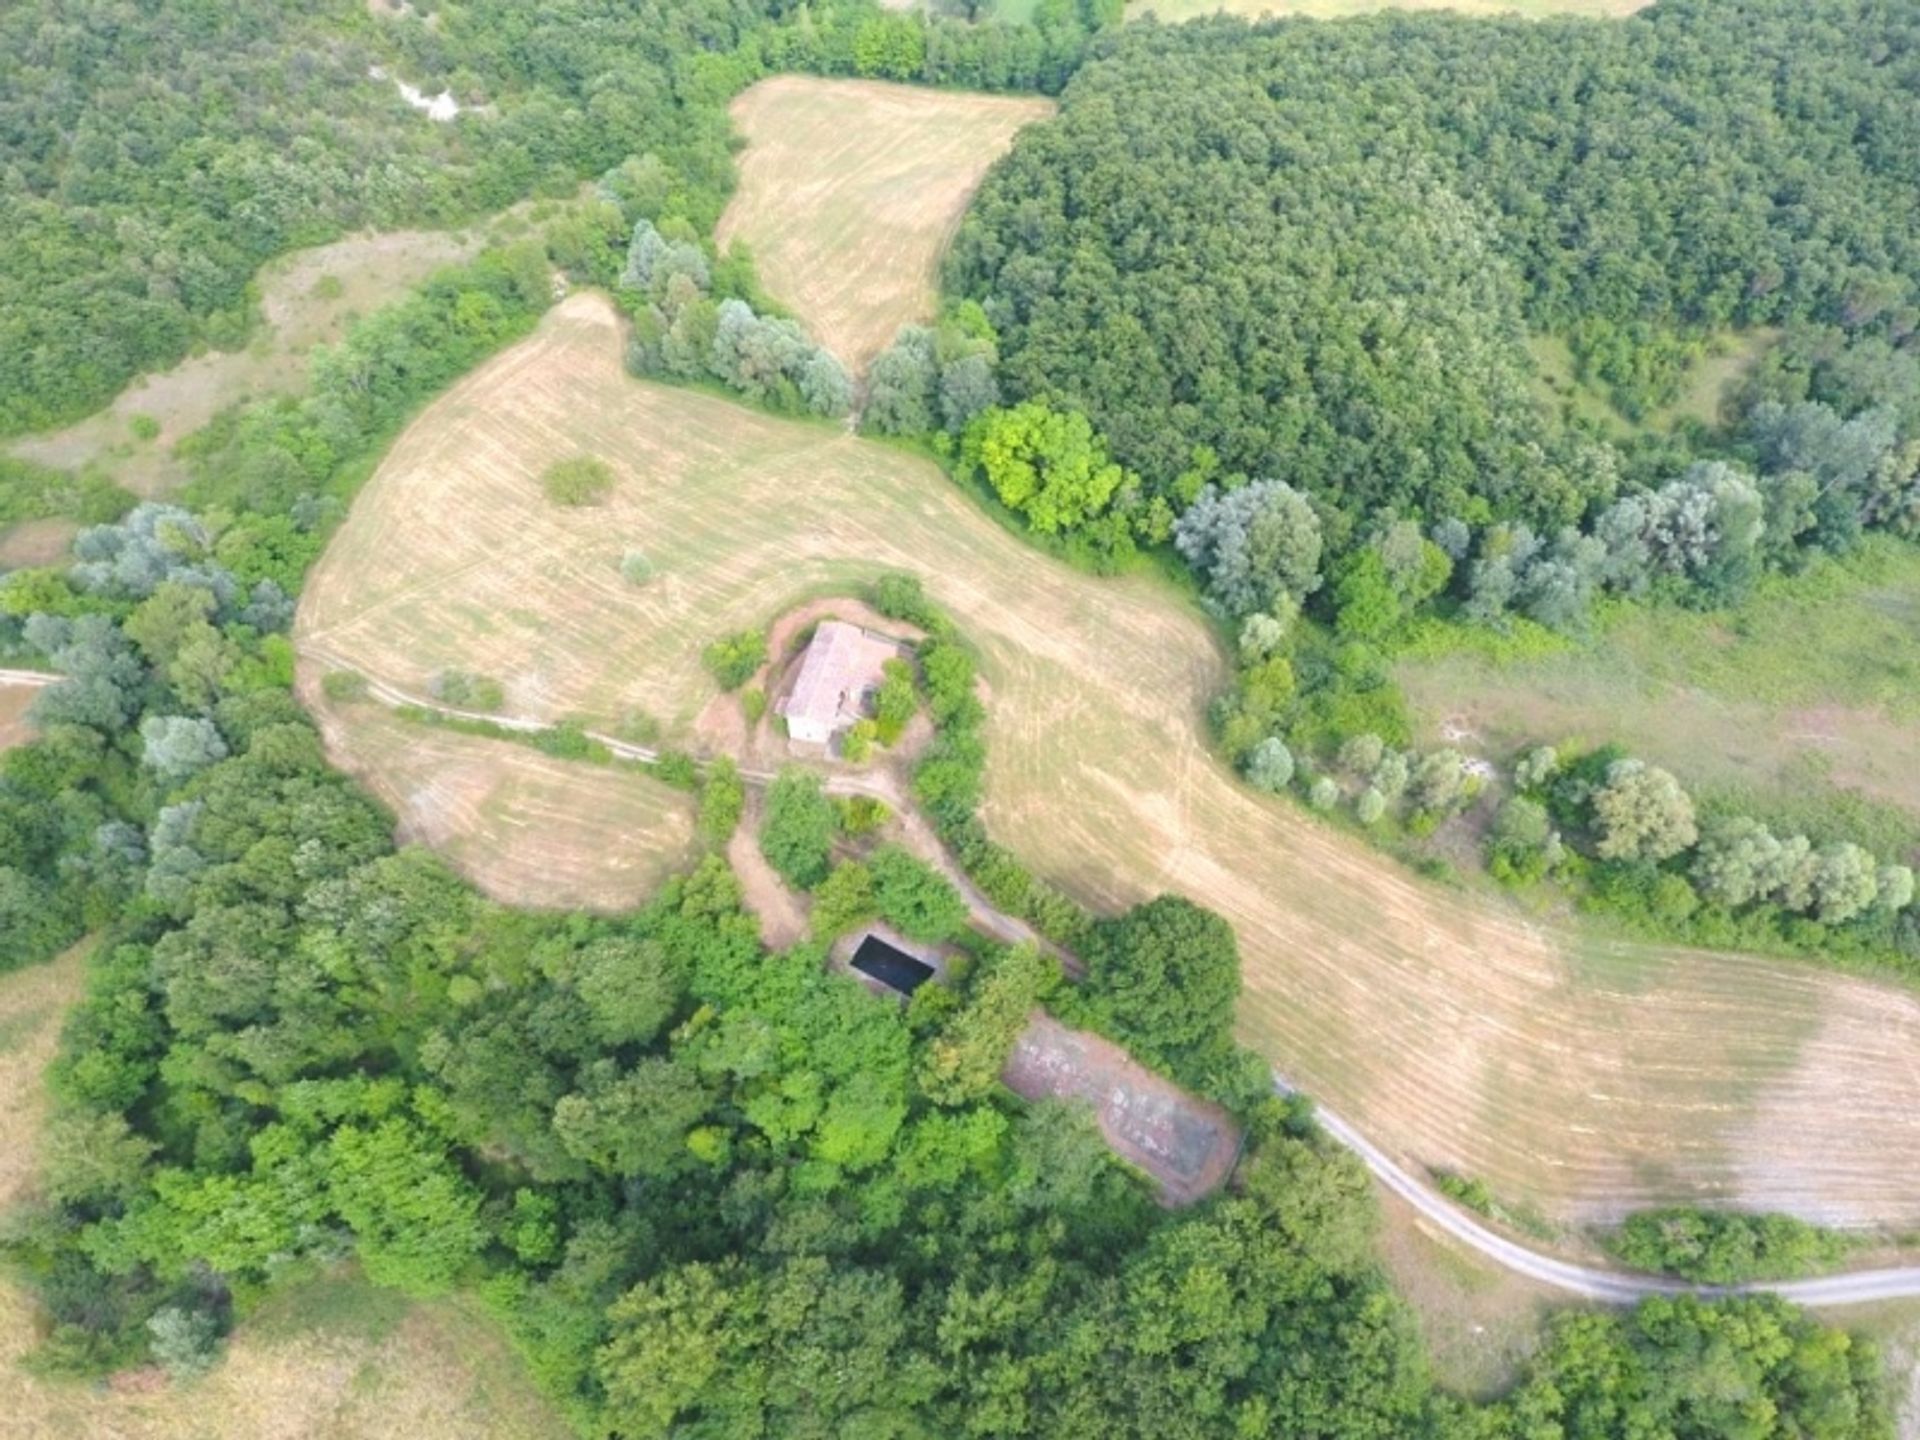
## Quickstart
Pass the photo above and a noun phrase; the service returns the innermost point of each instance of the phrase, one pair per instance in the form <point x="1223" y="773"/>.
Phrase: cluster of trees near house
<point x="708" y="1190"/>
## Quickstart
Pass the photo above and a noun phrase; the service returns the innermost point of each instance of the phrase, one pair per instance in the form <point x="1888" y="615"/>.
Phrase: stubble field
<point x="1585" y="1079"/>
<point x="849" y="190"/>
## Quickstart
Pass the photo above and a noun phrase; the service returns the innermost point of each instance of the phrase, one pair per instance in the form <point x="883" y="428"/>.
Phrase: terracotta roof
<point x="841" y="663"/>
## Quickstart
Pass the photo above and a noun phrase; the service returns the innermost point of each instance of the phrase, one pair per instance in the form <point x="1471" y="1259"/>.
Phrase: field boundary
<point x="1613" y="1287"/>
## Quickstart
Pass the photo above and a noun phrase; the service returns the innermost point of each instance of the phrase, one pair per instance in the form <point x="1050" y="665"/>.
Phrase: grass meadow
<point x="1454" y="1030"/>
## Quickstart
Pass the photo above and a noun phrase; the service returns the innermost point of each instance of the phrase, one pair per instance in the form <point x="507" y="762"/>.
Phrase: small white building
<point x="838" y="677"/>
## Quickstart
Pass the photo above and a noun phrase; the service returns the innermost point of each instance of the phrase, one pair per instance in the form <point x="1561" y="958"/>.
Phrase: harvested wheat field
<point x="526" y="828"/>
<point x="1584" y="1079"/>
<point x="849" y="190"/>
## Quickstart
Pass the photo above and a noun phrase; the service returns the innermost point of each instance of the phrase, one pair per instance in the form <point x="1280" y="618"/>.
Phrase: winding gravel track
<point x="1613" y="1287"/>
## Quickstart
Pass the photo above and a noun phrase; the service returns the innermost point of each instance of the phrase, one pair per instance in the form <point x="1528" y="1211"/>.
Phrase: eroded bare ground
<point x="1583" y="1078"/>
<point x="849" y="191"/>
<point x="1189" y="1146"/>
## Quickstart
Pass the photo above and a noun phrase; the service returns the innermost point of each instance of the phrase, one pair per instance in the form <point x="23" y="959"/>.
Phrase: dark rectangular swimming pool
<point x="891" y="966"/>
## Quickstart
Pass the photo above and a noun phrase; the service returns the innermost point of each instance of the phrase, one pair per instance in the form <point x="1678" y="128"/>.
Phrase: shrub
<point x="753" y="704"/>
<point x="184" y="1343"/>
<point x="464" y="690"/>
<point x="797" y="834"/>
<point x="581" y="480"/>
<point x="1723" y="1247"/>
<point x="733" y="660"/>
<point x="1270" y="765"/>
<point x="894" y="705"/>
<point x="635" y="568"/>
<point x="144" y="427"/>
<point x="344" y="686"/>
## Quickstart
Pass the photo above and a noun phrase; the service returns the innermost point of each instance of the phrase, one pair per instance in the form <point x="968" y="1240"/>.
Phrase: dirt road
<point x="1589" y="1282"/>
<point x="1612" y="1287"/>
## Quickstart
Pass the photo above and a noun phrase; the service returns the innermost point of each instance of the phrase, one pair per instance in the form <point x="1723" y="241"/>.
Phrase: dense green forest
<point x="711" y="1192"/>
<point x="152" y="157"/>
<point x="1312" y="252"/>
<point x="1265" y="295"/>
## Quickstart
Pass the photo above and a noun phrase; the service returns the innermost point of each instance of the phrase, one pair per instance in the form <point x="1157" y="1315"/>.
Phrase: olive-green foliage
<point x="1163" y="978"/>
<point x="723" y="799"/>
<point x="464" y="690"/>
<point x="1720" y="1247"/>
<point x="796" y="834"/>
<point x="732" y="660"/>
<point x="580" y="480"/>
<point x="1210" y="244"/>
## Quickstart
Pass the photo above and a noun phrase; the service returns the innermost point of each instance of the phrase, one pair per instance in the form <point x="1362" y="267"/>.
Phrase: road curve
<point x="1610" y="1287"/>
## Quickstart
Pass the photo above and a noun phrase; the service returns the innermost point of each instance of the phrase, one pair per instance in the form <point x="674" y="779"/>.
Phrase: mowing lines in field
<point x="849" y="191"/>
<point x="1453" y="1032"/>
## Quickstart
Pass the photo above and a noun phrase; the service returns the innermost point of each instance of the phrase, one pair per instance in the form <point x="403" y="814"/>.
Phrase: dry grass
<point x="1478" y="1322"/>
<point x="14" y="700"/>
<point x="1174" y="11"/>
<point x="1582" y="1079"/>
<point x="307" y="299"/>
<point x="32" y="1002"/>
<point x="35" y="542"/>
<point x="392" y="1372"/>
<point x="849" y="190"/>
<point x="1814" y="682"/>
<point x="526" y="828"/>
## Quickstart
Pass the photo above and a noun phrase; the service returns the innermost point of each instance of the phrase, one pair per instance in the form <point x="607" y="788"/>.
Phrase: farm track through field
<point x="1585" y="1078"/>
<point x="1587" y="1282"/>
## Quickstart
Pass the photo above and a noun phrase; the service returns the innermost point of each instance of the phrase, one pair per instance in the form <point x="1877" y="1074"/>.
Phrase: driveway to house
<point x="1612" y="1287"/>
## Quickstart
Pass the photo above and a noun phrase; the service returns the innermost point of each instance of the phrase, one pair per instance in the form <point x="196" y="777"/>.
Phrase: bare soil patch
<point x="781" y="911"/>
<point x="1584" y="1079"/>
<point x="849" y="191"/>
<point x="33" y="543"/>
<point x="14" y="700"/>
<point x="1188" y="1145"/>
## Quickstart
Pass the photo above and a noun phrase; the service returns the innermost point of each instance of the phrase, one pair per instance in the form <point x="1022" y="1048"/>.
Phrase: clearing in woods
<point x="849" y="190"/>
<point x="307" y="299"/>
<point x="1813" y="688"/>
<point x="332" y="1357"/>
<point x="1579" y="1077"/>
<point x="14" y="700"/>
<point x="526" y="828"/>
